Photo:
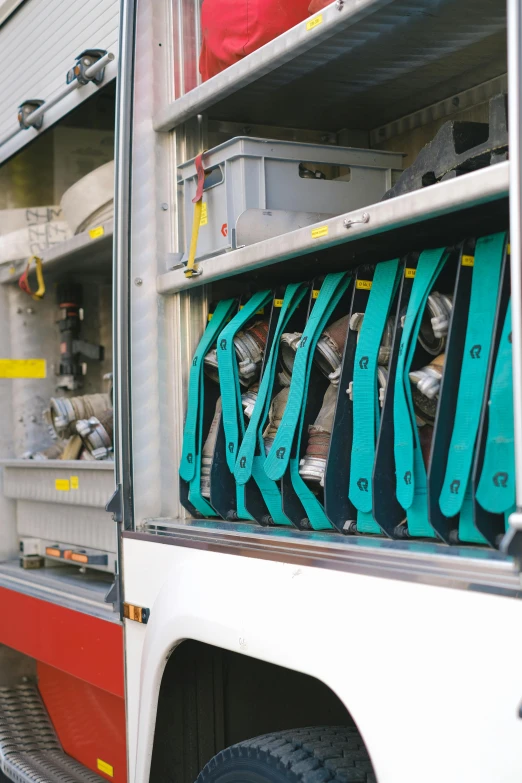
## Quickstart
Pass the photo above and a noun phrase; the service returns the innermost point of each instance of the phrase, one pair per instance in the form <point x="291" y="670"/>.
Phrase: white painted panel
<point x="39" y="44"/>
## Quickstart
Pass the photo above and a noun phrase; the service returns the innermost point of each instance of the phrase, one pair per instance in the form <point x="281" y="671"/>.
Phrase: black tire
<point x="313" y="755"/>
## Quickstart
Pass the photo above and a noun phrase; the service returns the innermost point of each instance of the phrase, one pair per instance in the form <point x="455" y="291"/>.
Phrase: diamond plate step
<point x="30" y="751"/>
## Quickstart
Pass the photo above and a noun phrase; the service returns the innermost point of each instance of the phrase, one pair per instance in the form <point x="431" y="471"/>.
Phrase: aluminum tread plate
<point x="29" y="748"/>
<point x="446" y="198"/>
<point x="424" y="562"/>
<point x="63" y="585"/>
<point x="367" y="63"/>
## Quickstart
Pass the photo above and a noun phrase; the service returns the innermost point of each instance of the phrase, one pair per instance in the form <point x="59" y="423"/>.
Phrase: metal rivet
<point x="164" y="206"/>
<point x="339" y="5"/>
<point x="138" y="281"/>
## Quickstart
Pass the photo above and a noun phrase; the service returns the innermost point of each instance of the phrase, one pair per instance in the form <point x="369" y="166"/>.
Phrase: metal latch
<point x="83" y="62"/>
<point x="25" y="109"/>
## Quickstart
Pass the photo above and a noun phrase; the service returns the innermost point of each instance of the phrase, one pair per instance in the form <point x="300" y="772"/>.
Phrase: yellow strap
<point x="191" y="268"/>
<point x="24" y="282"/>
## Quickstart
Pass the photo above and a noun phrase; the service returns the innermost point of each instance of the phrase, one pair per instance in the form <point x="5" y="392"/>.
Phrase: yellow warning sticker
<point x="96" y="233"/>
<point x="509" y="250"/>
<point x="314" y="22"/>
<point x="409" y="272"/>
<point x="468" y="260"/>
<point x="322" y="231"/>
<point x="75" y="482"/>
<point x="210" y="316"/>
<point x="104" y="767"/>
<point x="261" y="310"/>
<point x="315" y="293"/>
<point x="278" y="302"/>
<point x="62" y="485"/>
<point x="23" y="368"/>
<point x="366" y="285"/>
<point x="204" y="214"/>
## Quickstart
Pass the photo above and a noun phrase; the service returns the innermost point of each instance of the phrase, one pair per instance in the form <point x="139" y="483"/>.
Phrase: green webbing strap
<point x="365" y="391"/>
<point x="243" y="470"/>
<point x="187" y="468"/>
<point x="485" y="282"/>
<point x="405" y="428"/>
<point x="496" y="488"/>
<point x="467" y="530"/>
<point x="233" y="419"/>
<point x="314" y="510"/>
<point x="229" y="375"/>
<point x="270" y="490"/>
<point x="332" y="289"/>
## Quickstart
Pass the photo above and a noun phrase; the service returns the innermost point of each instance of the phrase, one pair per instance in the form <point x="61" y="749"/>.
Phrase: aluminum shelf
<point x="89" y="250"/>
<point x="358" y="64"/>
<point x="70" y="482"/>
<point x="407" y="220"/>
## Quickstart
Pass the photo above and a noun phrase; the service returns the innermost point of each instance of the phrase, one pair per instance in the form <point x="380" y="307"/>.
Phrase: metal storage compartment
<point x="246" y="173"/>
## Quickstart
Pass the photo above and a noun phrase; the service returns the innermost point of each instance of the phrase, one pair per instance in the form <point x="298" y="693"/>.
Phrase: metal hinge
<point x="115" y="505"/>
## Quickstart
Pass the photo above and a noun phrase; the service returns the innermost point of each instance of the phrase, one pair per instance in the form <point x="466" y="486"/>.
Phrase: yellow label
<point x="104" y="767"/>
<point x="509" y="250"/>
<point x="97" y="232"/>
<point x="210" y="316"/>
<point x="315" y="293"/>
<point x="23" y="368"/>
<point x="315" y="22"/>
<point x="75" y="482"/>
<point x="366" y="285"/>
<point x="62" y="485"/>
<point x="409" y="272"/>
<point x="261" y="310"/>
<point x="278" y="302"/>
<point x="468" y="260"/>
<point x="204" y="214"/>
<point x="320" y="232"/>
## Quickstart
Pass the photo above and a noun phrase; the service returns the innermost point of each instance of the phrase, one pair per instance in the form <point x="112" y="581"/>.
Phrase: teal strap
<point x="270" y="491"/>
<point x="467" y="530"/>
<point x="233" y="421"/>
<point x="191" y="453"/>
<point x="366" y="523"/>
<point x="314" y="510"/>
<point x="496" y="489"/>
<point x="406" y="440"/>
<point x="365" y="385"/>
<point x="489" y="252"/>
<point x="243" y="470"/>
<point x="332" y="289"/>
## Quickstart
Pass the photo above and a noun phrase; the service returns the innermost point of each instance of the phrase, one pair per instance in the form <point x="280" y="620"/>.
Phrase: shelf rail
<point x="35" y="117"/>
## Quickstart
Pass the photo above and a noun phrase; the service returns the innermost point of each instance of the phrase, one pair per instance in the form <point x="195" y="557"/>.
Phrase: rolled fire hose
<point x="97" y="434"/>
<point x="250" y="347"/>
<point x="90" y="201"/>
<point x="66" y="411"/>
<point x="248" y="400"/>
<point x="455" y="497"/>
<point x="411" y="487"/>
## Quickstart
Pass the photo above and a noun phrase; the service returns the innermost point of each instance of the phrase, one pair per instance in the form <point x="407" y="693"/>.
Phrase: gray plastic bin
<point x="246" y="173"/>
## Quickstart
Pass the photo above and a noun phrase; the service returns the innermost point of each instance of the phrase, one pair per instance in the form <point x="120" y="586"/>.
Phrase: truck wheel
<point x="313" y="755"/>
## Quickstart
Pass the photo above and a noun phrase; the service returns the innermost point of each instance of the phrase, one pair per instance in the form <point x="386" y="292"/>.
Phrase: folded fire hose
<point x="248" y="463"/>
<point x="280" y="456"/>
<point x="233" y="419"/>
<point x="411" y="479"/>
<point x="496" y="488"/>
<point x="365" y="392"/>
<point x="455" y="497"/>
<point x="190" y="467"/>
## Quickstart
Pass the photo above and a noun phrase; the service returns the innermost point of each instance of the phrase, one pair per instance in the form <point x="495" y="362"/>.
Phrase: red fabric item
<point x="318" y="5"/>
<point x="231" y="29"/>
